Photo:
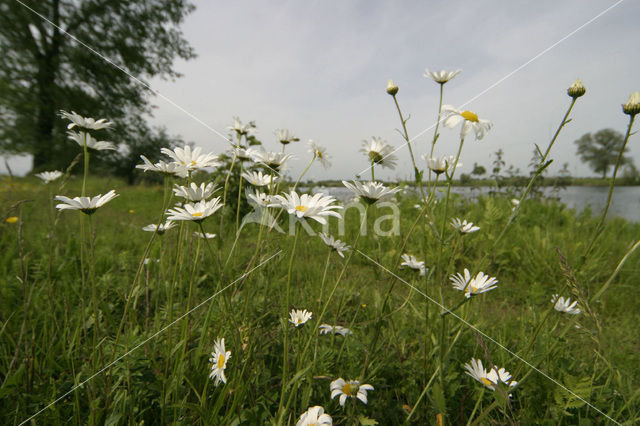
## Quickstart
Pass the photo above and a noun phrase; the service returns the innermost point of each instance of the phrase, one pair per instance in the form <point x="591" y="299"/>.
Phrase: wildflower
<point x="85" y="122"/>
<point x="442" y="76"/>
<point x="392" y="89"/>
<point x="442" y="164"/>
<point x="258" y="178"/>
<point x="314" y="416"/>
<point x="148" y="260"/>
<point x="206" y="235"/>
<point x="82" y="138"/>
<point x="561" y="304"/>
<point x="576" y="89"/>
<point x="260" y="198"/>
<point x="86" y="205"/>
<point x="336" y="245"/>
<point x="161" y="228"/>
<point x="515" y="203"/>
<point x="411" y="262"/>
<point x="11" y="220"/>
<point x="379" y="152"/>
<point x="470" y="121"/>
<point x="298" y="317"/>
<point x="196" y="212"/>
<point x="632" y="107"/>
<point x="481" y="283"/>
<point x="194" y="192"/>
<point x="285" y="137"/>
<point x="274" y="160"/>
<point x="49" y="177"/>
<point x="476" y="370"/>
<point x="242" y="129"/>
<point x="349" y="389"/>
<point x="192" y="159"/>
<point x="334" y="329"/>
<point x="218" y="360"/>
<point x="168" y="169"/>
<point x="307" y="206"/>
<point x="243" y="154"/>
<point x="320" y="154"/>
<point x="371" y="192"/>
<point x="464" y="227"/>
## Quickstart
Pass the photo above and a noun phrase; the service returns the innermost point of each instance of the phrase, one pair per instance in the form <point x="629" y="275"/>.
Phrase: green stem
<point x="416" y="172"/>
<point x="600" y="225"/>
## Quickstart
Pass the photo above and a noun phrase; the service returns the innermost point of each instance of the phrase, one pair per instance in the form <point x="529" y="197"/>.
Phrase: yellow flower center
<point x="319" y="154"/>
<point x="220" y="361"/>
<point x="193" y="163"/>
<point x="469" y="116"/>
<point x="348" y="389"/>
<point x="302" y="208"/>
<point x="473" y="289"/>
<point x="12" y="219"/>
<point x="196" y="214"/>
<point x="486" y="381"/>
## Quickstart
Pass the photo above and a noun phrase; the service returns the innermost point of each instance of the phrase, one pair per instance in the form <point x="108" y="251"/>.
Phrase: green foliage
<point x="43" y="70"/>
<point x="601" y="150"/>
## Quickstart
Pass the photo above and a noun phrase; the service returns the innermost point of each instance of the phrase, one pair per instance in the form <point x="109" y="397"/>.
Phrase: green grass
<point x="48" y="344"/>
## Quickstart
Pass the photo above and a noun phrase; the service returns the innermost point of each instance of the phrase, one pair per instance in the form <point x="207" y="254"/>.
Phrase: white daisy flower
<point x="218" y="360"/>
<point x="349" y="389"/>
<point x="379" y="152"/>
<point x="442" y="164"/>
<point x="315" y="416"/>
<point x="632" y="107"/>
<point x="320" y="154"/>
<point x="561" y="304"/>
<point x="258" y="178"/>
<point x="192" y="159"/>
<point x="315" y="207"/>
<point x="469" y="120"/>
<point x="85" y="122"/>
<point x="260" y="199"/>
<point x="206" y="235"/>
<point x="81" y="138"/>
<point x="273" y="160"/>
<point x="161" y="228"/>
<point x="196" y="212"/>
<point x="441" y="76"/>
<point x="243" y="154"/>
<point x="195" y="192"/>
<point x="48" y="177"/>
<point x="481" y="283"/>
<point x="169" y="169"/>
<point x="479" y="373"/>
<point x="86" y="205"/>
<point x="334" y="329"/>
<point x="463" y="226"/>
<point x="336" y="245"/>
<point x="298" y="317"/>
<point x="242" y="129"/>
<point x="411" y="262"/>
<point x="371" y="192"/>
<point x="285" y="137"/>
<point x="498" y="375"/>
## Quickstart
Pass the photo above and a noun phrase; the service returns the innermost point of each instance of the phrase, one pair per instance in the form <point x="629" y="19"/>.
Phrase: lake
<point x="625" y="202"/>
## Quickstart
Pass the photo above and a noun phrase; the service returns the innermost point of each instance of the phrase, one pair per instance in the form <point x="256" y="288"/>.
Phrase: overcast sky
<point x="320" y="69"/>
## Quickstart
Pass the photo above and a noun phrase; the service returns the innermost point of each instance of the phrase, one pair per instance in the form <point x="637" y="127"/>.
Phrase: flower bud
<point x="392" y="89"/>
<point x="632" y="107"/>
<point x="576" y="89"/>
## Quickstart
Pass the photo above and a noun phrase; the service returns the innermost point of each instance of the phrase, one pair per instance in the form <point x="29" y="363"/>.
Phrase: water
<point x="625" y="202"/>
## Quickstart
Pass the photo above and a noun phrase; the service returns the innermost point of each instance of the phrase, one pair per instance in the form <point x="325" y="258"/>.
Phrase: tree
<point x="43" y="70"/>
<point x="601" y="150"/>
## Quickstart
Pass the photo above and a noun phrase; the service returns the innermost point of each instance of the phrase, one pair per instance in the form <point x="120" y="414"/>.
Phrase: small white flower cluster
<point x="492" y="378"/>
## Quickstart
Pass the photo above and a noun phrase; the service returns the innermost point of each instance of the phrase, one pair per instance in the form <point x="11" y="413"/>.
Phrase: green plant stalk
<point x="418" y="178"/>
<point x="598" y="229"/>
<point x="285" y="355"/>
<point x="373" y="175"/>
<point x="475" y="407"/>
<point x="86" y="164"/>
<point x="606" y="285"/>
<point x="485" y="412"/>
<point x="435" y="132"/>
<point x="422" y="394"/>
<point x="239" y="202"/>
<point x="543" y="165"/>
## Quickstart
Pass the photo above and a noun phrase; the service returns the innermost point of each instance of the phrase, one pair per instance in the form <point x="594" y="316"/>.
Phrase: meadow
<point x="104" y="323"/>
